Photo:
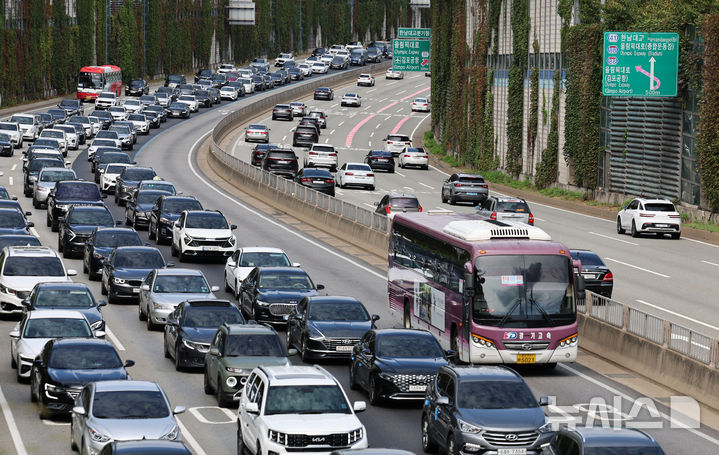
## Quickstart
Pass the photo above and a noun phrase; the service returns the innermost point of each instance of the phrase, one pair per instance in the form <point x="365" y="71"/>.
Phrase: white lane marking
<point x="366" y="107"/>
<point x="371" y="134"/>
<point x="341" y="123"/>
<point x="399" y="173"/>
<point x="408" y="188"/>
<point x="699" y="241"/>
<point x="335" y="105"/>
<point x="378" y="125"/>
<point x="187" y="437"/>
<point x="270" y="220"/>
<point x="399" y="93"/>
<point x="114" y="339"/>
<point x="613" y="238"/>
<point x="14" y="433"/>
<point x="419" y="85"/>
<point x="400" y="110"/>
<point x="327" y="140"/>
<point x="369" y="144"/>
<point x="539" y="219"/>
<point x="711" y="263"/>
<point x="232" y="417"/>
<point x="34" y="232"/>
<point x="695" y="321"/>
<point x="10" y="180"/>
<point x="14" y="166"/>
<point x="383" y="99"/>
<point x="638" y="268"/>
<point x="371" y="90"/>
<point x="332" y="132"/>
<point x="284" y="138"/>
<point x="426" y="186"/>
<point x="617" y="392"/>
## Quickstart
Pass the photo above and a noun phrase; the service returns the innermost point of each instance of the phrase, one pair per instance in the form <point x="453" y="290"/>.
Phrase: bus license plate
<point x="511" y="451"/>
<point x="418" y="388"/>
<point x="526" y="358"/>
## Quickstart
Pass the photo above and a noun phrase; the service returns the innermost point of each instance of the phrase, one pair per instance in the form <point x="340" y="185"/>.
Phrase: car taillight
<point x="333" y="154"/>
<point x="330" y="181"/>
<point x="370" y="175"/>
<point x="493" y="216"/>
<point x="305" y="180"/>
<point x="390" y="142"/>
<point x="349" y="173"/>
<point x="675" y="216"/>
<point x="420" y="207"/>
<point x="485" y="186"/>
<point x="646" y="215"/>
<point x="457" y="185"/>
<point x="388" y="209"/>
<point x="608" y="277"/>
<point x="406" y="156"/>
<point x="313" y="153"/>
<point x="531" y="219"/>
<point x="425" y="156"/>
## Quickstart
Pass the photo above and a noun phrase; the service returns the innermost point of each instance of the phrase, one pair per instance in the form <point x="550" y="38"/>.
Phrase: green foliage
<point x="708" y="143"/>
<point x="436" y="149"/>
<point x="123" y="41"/>
<point x="495" y="8"/>
<point x="533" y="104"/>
<point x="86" y="24"/>
<point x="515" y="92"/>
<point x="58" y="66"/>
<point x="547" y="167"/>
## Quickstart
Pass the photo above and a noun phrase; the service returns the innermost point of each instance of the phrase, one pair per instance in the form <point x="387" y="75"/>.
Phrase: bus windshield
<point x="90" y="80"/>
<point x="523" y="291"/>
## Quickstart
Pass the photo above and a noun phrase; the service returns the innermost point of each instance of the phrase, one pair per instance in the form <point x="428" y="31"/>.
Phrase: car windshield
<point x="208" y="317"/>
<point x="470" y="179"/>
<point x="178" y="205"/>
<point x="11" y="219"/>
<point x="178" y="106"/>
<point x="113" y="238"/>
<point x="659" y="207"/>
<point x="139" y="259"/>
<point x="55" y="134"/>
<point x="22" y="119"/>
<point x="138" y="117"/>
<point x="323" y="148"/>
<point x="309" y="399"/>
<point x="36" y="165"/>
<point x="512" y="207"/>
<point x="104" y="143"/>
<point x="177" y="78"/>
<point x="91" y="217"/>
<point x="618" y="450"/>
<point x="57" y="328"/>
<point x="80" y="192"/>
<point x="120" y="129"/>
<point x="46" y="142"/>
<point x="181" y="284"/>
<point x="33" y="266"/>
<point x="486" y="394"/>
<point x="106" y="138"/>
<point x="257" y="345"/>
<point x="66" y="298"/>
<point x="340" y="311"/>
<point x="398" y="138"/>
<point x="408" y="346"/>
<point x="206" y="220"/>
<point x="263" y="259"/>
<point x="257" y="126"/>
<point x="72" y="104"/>
<point x="138" y="174"/>
<point x="3" y="193"/>
<point x="130" y="404"/>
<point x="282" y="280"/>
<point x="87" y="357"/>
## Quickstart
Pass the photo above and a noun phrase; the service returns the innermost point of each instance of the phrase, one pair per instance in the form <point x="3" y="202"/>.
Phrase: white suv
<point x="650" y="216"/>
<point x="22" y="268"/>
<point x="321" y="155"/>
<point x="202" y="233"/>
<point x="286" y="409"/>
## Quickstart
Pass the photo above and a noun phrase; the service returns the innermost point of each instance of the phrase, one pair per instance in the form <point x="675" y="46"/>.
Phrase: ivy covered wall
<point x="43" y="48"/>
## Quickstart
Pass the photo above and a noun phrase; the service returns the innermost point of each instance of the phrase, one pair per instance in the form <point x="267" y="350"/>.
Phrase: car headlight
<point x="483" y="342"/>
<point x="238" y="370"/>
<point x="165" y="220"/>
<point x="316" y="335"/>
<point x="546" y="428"/>
<point x="62" y="207"/>
<point x="97" y="255"/>
<point x="187" y="239"/>
<point x="568" y="342"/>
<point x="51" y="390"/>
<point x="119" y="281"/>
<point x="355" y="435"/>
<point x="6" y="290"/>
<point x="261" y="303"/>
<point x="196" y="346"/>
<point x="162" y="306"/>
<point x="96" y="436"/>
<point x="465" y="427"/>
<point x="71" y="235"/>
<point x="172" y="434"/>
<point x="232" y="240"/>
<point x="387" y="377"/>
<point x="32" y="178"/>
<point x="276" y="436"/>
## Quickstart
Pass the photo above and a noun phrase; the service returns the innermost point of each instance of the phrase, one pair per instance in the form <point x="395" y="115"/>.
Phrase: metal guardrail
<point x="652" y="328"/>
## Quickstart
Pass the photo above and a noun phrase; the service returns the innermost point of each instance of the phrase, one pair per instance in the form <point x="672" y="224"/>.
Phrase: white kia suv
<point x="202" y="233"/>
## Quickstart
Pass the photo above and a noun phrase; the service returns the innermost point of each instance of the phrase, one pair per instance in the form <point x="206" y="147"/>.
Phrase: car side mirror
<point x="215" y="352"/>
<point x="376" y="204"/>
<point x="28" y="213"/>
<point x="581" y="288"/>
<point x="178" y="410"/>
<point x="14" y="334"/>
<point x="544" y="400"/>
<point x="145" y="287"/>
<point x="296" y="264"/>
<point x="99" y="333"/>
<point x="71" y="272"/>
<point x="104" y="196"/>
<point x="102" y="303"/>
<point x="14" y="198"/>
<point x="359" y="406"/>
<point x="79" y="410"/>
<point x="231" y="263"/>
<point x="170" y="264"/>
<point x="450" y="353"/>
<point x="443" y="401"/>
<point x="233" y="226"/>
<point x="292" y="351"/>
<point x="320" y="287"/>
<point x="37" y="362"/>
<point x="118" y="223"/>
<point x="375" y="317"/>
<point x="61" y="219"/>
<point x="30" y="224"/>
<point x="177" y="225"/>
<point x="252" y="408"/>
<point x="133" y="162"/>
<point x="129" y="363"/>
<point x="26" y="302"/>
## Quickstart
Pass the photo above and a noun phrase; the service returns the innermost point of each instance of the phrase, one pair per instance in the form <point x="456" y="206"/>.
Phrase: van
<point x="358" y="57"/>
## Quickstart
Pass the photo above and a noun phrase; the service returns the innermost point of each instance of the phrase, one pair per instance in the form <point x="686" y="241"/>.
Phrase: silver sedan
<point x="164" y="289"/>
<point x="122" y="410"/>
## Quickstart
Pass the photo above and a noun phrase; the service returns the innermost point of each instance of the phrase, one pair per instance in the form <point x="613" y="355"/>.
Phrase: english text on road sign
<point x="410" y="55"/>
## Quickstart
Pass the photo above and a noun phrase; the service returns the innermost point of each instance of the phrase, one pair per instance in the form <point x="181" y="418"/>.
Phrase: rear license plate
<point x="661" y="225"/>
<point x="418" y="388"/>
<point x="589" y="276"/>
<point x="283" y="162"/>
<point x="382" y="160"/>
<point x="511" y="451"/>
<point x="344" y="348"/>
<point x="471" y="194"/>
<point x="210" y="248"/>
<point x="526" y="358"/>
<point x="318" y="181"/>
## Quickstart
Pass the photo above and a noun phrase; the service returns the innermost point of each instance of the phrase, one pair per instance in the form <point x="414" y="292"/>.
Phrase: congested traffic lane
<point x="649" y="272"/>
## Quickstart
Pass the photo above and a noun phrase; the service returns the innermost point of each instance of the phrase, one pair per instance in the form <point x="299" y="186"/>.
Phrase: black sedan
<point x="6" y="147"/>
<point x="78" y="225"/>
<point x="128" y="181"/>
<point x="178" y="110"/>
<point x="270" y="293"/>
<point x="258" y="153"/>
<point x="137" y="87"/>
<point x="324" y="93"/>
<point x="138" y="207"/>
<point x="328" y="326"/>
<point x="396" y="363"/>
<point x="380" y="159"/>
<point x="67" y="296"/>
<point x="12" y="221"/>
<point x="318" y="179"/>
<point x="101" y="243"/>
<point x="203" y="98"/>
<point x="125" y="270"/>
<point x="165" y="212"/>
<point x="597" y="276"/>
<point x="66" y="365"/>
<point x="190" y="328"/>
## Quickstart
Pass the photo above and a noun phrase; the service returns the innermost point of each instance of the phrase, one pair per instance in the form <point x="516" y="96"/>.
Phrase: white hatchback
<point x="420" y="105"/>
<point x="366" y="80"/>
<point x="355" y="174"/>
<point x="351" y="99"/>
<point x="414" y="156"/>
<point x="650" y="216"/>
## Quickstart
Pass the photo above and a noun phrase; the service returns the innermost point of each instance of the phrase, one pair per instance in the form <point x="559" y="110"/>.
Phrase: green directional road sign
<point x="640" y="64"/>
<point x="410" y="54"/>
<point x="425" y="33"/>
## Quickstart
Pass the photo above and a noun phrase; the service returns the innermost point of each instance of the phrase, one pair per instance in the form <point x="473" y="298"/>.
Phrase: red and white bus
<point x="493" y="292"/>
<point x="91" y="80"/>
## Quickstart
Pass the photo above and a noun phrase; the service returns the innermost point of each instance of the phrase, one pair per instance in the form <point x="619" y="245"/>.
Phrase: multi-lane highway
<point x="209" y="429"/>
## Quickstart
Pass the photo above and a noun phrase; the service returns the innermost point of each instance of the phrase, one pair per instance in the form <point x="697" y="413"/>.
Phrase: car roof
<point x="261" y="249"/>
<point x="136" y="248"/>
<point x="62" y="285"/>
<point x="197" y="303"/>
<point x="179" y="271"/>
<point x="249" y="329"/>
<point x="54" y="314"/>
<point x="655" y="201"/>
<point x="112" y="386"/>
<point x="339" y="299"/>
<point x="485" y="372"/>
<point x="508" y="199"/>
<point x="462" y="174"/>
<point x="401" y="196"/>
<point x="612" y="437"/>
<point x="298" y="375"/>
<point x="89" y="208"/>
<point x="40" y="251"/>
<point x="115" y="228"/>
<point x="292" y="270"/>
<point x="80" y="341"/>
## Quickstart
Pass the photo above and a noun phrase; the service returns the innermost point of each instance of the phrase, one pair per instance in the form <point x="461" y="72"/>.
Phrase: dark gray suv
<point x="465" y="188"/>
<point x="602" y="441"/>
<point x="483" y="410"/>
